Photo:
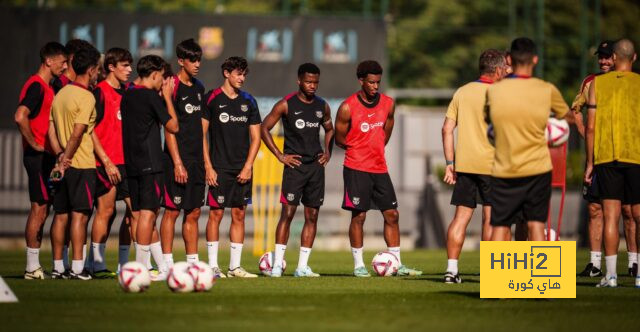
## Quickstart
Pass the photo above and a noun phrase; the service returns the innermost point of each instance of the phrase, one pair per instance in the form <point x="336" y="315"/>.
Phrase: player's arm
<point x="343" y="121"/>
<point x="32" y="98"/>
<point x="327" y="125"/>
<point x="211" y="177"/>
<point x="53" y="139"/>
<point x="112" y="171"/>
<point x="72" y="146"/>
<point x="167" y="90"/>
<point x="279" y="110"/>
<point x="590" y="132"/>
<point x="245" y="173"/>
<point x="388" y="125"/>
<point x="449" y="153"/>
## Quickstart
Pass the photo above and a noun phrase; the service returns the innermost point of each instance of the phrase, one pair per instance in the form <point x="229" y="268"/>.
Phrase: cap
<point x="605" y="48"/>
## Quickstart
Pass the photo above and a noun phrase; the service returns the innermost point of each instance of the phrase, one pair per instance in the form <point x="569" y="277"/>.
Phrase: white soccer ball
<point x="179" y="279"/>
<point x="557" y="132"/>
<point x="385" y="264"/>
<point x="134" y="277"/>
<point x="554" y="235"/>
<point x="202" y="275"/>
<point x="265" y="263"/>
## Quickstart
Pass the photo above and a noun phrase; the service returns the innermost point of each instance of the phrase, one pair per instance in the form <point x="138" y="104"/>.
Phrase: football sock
<point x="58" y="265"/>
<point x="357" y="257"/>
<point x="33" y="259"/>
<point x="596" y="259"/>
<point x="236" y="253"/>
<point x="168" y="259"/>
<point x="88" y="263"/>
<point x="304" y="257"/>
<point x="633" y="258"/>
<point x="212" y="252"/>
<point x="98" y="256"/>
<point x="142" y="253"/>
<point x="123" y="255"/>
<point x="452" y="266"/>
<point x="395" y="251"/>
<point x="156" y="252"/>
<point x="65" y="257"/>
<point x="77" y="266"/>
<point x="279" y="256"/>
<point x="611" y="265"/>
<point x="193" y="258"/>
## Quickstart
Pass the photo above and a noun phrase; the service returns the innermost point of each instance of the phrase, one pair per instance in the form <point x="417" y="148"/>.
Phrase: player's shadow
<point x="471" y="295"/>
<point x="437" y="278"/>
<point x="13" y="277"/>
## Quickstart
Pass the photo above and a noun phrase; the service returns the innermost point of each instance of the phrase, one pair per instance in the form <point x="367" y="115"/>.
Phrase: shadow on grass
<point x="14" y="277"/>
<point x="438" y="279"/>
<point x="471" y="295"/>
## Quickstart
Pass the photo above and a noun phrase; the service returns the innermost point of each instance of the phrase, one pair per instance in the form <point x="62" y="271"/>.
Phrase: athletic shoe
<point x="450" y="278"/>
<point x="239" y="272"/>
<point x="60" y="275"/>
<point x="590" y="271"/>
<point x="276" y="272"/>
<point x="637" y="282"/>
<point x="159" y="276"/>
<point x="84" y="275"/>
<point x="305" y="272"/>
<point x="217" y="273"/>
<point x="633" y="270"/>
<point x="35" y="274"/>
<point x="104" y="274"/>
<point x="361" y="272"/>
<point x="610" y="282"/>
<point x="405" y="271"/>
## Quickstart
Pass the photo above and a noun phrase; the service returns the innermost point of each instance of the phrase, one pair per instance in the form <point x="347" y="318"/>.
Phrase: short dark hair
<point x="74" y="45"/>
<point x="490" y="60"/>
<point x="51" y="49"/>
<point x="115" y="55"/>
<point x="368" y="67"/>
<point x="308" y="68"/>
<point x="235" y="63"/>
<point x="84" y="59"/>
<point x="149" y="64"/>
<point x="189" y="49"/>
<point x="522" y="51"/>
<point x="168" y="72"/>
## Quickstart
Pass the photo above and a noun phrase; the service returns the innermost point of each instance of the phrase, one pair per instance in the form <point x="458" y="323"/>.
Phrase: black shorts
<point x="76" y="191"/>
<point x="39" y="165"/>
<point x="229" y="192"/>
<point x="186" y="196"/>
<point x="147" y="191"/>
<point x="619" y="181"/>
<point x="591" y="193"/>
<point x="471" y="189"/>
<point x="103" y="185"/>
<point x="515" y="199"/>
<point x="303" y="183"/>
<point x="361" y="189"/>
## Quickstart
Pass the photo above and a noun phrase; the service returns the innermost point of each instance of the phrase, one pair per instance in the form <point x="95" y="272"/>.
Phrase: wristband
<point x="450" y="162"/>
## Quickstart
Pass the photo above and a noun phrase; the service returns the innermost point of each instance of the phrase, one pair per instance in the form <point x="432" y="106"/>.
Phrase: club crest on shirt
<point x="220" y="199"/>
<point x="244" y="107"/>
<point x="177" y="199"/>
<point x="291" y="196"/>
<point x="319" y="114"/>
<point x="356" y="200"/>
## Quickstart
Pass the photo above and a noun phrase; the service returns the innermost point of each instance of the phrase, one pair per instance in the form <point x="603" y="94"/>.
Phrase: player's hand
<point x="450" y="176"/>
<point x="37" y="147"/>
<point x="56" y="173"/>
<point x="588" y="174"/>
<point x="245" y="175"/>
<point x="113" y="173"/>
<point x="211" y="176"/>
<point x="167" y="87"/>
<point x="291" y="160"/>
<point x="323" y="158"/>
<point x="180" y="173"/>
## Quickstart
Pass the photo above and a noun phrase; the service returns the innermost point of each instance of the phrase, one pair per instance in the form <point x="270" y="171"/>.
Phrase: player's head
<point x="117" y="62"/>
<point x="86" y="62"/>
<point x="624" y="52"/>
<point x="492" y="63"/>
<point x="605" y="56"/>
<point x="235" y="70"/>
<point x="189" y="54"/>
<point x="369" y="73"/>
<point x="308" y="78"/>
<point x="102" y="73"/>
<point x="53" y="55"/>
<point x="168" y="71"/>
<point x="151" y="68"/>
<point x="523" y="52"/>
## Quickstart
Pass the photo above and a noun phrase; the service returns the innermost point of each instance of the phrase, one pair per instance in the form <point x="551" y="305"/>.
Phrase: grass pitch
<point x="334" y="302"/>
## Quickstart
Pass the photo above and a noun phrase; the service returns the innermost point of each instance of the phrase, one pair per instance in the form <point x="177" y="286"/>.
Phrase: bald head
<point x="624" y="50"/>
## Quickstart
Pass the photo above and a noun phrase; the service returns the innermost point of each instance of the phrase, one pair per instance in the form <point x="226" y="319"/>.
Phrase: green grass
<point x="334" y="302"/>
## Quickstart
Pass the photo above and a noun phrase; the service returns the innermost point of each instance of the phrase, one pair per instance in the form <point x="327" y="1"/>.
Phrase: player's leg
<point x="501" y="233"/>
<point x="596" y="225"/>
<point x="105" y="213"/>
<point x="124" y="235"/>
<point x="58" y="233"/>
<point x="487" y="230"/>
<point x="635" y="210"/>
<point x="79" y="221"/>
<point x="358" y="189"/>
<point x="151" y="193"/>
<point x="535" y="230"/>
<point x="356" y="240"/>
<point x="213" y="238"/>
<point x="282" y="237"/>
<point x="167" y="233"/>
<point x="455" y="240"/>
<point x="535" y="209"/>
<point x="190" y="234"/>
<point x="307" y="237"/>
<point x="236" y="236"/>
<point x="33" y="237"/>
<point x="630" y="239"/>
<point x="611" y="183"/>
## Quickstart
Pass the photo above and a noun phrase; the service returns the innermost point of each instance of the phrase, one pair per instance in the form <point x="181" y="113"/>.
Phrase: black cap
<point x="605" y="49"/>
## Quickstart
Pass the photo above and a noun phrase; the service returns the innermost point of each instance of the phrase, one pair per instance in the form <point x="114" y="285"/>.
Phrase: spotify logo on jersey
<point x="190" y="108"/>
<point x="299" y="123"/>
<point x="224" y="117"/>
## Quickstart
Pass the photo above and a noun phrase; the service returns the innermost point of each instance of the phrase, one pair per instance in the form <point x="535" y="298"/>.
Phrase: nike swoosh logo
<point x="296" y="113"/>
<point x="185" y="98"/>
<point x="593" y="274"/>
<point x="394" y="203"/>
<point x="370" y="115"/>
<point x="222" y="106"/>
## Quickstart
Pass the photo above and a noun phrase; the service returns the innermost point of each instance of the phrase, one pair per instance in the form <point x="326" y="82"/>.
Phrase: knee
<point x="358" y="219"/>
<point x="237" y="215"/>
<point x="391" y="216"/>
<point x="311" y="217"/>
<point x="595" y="211"/>
<point x="106" y="211"/>
<point x="626" y="213"/>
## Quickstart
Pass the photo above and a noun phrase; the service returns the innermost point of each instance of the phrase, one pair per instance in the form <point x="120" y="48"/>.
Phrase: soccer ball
<point x="385" y="264"/>
<point x="553" y="237"/>
<point x="202" y="276"/>
<point x="266" y="263"/>
<point x="557" y="132"/>
<point x="134" y="277"/>
<point x="179" y="279"/>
